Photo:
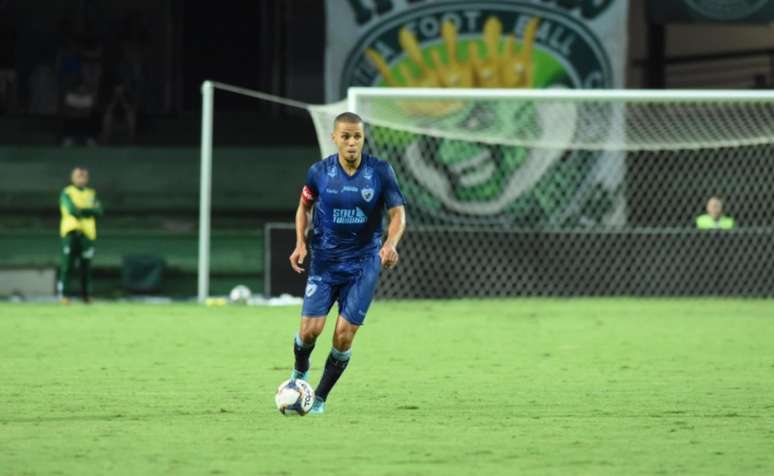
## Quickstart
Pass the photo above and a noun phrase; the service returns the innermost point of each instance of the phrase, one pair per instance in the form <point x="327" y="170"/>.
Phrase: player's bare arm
<point x="389" y="253"/>
<point x="303" y="217"/>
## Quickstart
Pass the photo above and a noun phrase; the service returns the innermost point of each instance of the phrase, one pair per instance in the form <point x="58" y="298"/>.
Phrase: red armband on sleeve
<point x="307" y="195"/>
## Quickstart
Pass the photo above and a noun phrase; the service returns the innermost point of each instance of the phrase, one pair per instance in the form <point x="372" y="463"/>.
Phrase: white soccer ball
<point x="240" y="294"/>
<point x="294" y="397"/>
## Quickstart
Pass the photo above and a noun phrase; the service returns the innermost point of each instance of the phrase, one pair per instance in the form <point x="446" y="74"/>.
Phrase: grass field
<point x="469" y="387"/>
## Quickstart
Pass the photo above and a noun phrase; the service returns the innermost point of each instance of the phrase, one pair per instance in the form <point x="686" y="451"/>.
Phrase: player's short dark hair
<point x="347" y="117"/>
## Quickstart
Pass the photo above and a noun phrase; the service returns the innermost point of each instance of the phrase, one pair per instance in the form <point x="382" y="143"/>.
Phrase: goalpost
<point x="205" y="178"/>
<point x="559" y="191"/>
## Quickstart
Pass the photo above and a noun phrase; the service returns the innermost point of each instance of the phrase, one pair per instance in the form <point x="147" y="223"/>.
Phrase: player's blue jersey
<point x="349" y="210"/>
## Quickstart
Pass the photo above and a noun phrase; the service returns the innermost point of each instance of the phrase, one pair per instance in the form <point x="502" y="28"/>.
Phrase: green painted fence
<point x="142" y="180"/>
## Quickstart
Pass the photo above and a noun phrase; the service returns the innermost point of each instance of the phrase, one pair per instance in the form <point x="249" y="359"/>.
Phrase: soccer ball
<point x="240" y="294"/>
<point x="294" y="397"/>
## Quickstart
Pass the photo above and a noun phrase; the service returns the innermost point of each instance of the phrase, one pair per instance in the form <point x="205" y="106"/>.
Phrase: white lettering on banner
<point x="472" y="17"/>
<point x="579" y="35"/>
<point x="555" y="36"/>
<point x="453" y="18"/>
<point x="383" y="50"/>
<point x="429" y="27"/>
<point x="364" y="13"/>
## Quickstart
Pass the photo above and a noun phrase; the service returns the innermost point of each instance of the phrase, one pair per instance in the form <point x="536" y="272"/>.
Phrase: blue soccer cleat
<point x="296" y="375"/>
<point x="318" y="407"/>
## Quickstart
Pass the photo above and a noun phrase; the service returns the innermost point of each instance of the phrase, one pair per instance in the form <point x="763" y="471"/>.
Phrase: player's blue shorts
<point x="351" y="283"/>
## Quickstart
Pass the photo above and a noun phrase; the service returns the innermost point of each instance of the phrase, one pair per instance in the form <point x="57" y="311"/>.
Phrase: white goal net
<point x="568" y="192"/>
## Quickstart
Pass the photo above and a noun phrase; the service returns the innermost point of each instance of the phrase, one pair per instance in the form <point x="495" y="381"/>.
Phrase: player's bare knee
<point x="310" y="330"/>
<point x="309" y="335"/>
<point x="343" y="343"/>
<point x="342" y="339"/>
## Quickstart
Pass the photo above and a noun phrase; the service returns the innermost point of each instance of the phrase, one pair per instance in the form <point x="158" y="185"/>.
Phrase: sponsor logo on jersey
<point x="347" y="216"/>
<point x="349" y="188"/>
<point x="331" y="190"/>
<point x="367" y="193"/>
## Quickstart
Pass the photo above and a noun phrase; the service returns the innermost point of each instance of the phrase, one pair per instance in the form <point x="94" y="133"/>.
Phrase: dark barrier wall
<point x="690" y="263"/>
<point x="279" y="278"/>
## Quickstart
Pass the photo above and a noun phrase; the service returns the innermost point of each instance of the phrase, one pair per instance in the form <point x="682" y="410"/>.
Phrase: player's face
<point x="714" y="208"/>
<point x="80" y="177"/>
<point x="349" y="138"/>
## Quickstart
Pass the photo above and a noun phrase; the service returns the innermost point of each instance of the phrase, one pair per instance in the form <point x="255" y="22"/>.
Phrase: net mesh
<point x="512" y="196"/>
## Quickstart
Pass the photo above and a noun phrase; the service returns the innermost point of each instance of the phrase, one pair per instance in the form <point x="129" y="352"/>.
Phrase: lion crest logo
<point x="310" y="289"/>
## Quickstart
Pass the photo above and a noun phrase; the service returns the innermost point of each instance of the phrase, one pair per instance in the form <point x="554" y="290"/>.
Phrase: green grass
<point x="467" y="387"/>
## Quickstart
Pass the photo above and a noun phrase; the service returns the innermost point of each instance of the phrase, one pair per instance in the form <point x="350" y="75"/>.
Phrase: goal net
<point x="568" y="192"/>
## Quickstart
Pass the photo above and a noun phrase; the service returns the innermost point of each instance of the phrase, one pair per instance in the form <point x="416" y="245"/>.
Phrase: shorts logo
<point x="310" y="289"/>
<point x="367" y="193"/>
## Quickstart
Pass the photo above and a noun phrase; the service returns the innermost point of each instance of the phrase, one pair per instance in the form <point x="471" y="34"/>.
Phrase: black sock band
<point x="302" y="352"/>
<point x="334" y="366"/>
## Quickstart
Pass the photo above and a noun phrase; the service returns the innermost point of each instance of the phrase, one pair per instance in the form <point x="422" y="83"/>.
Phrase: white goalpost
<point x="205" y="193"/>
<point x="525" y="169"/>
<point x="205" y="181"/>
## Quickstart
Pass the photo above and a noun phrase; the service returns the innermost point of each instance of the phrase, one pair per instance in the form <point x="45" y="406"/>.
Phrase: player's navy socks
<point x="302" y="352"/>
<point x="334" y="367"/>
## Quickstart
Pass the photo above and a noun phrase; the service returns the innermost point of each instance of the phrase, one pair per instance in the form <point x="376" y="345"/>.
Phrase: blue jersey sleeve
<point x="310" y="193"/>
<point x="393" y="197"/>
<point x="311" y="178"/>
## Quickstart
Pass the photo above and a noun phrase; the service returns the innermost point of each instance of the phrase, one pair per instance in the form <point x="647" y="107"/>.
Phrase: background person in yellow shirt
<point x="79" y="207"/>
<point x="714" y="219"/>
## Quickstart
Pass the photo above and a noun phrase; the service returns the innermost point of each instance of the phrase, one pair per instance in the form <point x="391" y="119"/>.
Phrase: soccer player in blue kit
<point x="345" y="196"/>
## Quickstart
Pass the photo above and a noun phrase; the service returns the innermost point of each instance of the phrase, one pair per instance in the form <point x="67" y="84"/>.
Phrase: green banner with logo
<point x="488" y="44"/>
<point x="696" y="11"/>
<point x="578" y="43"/>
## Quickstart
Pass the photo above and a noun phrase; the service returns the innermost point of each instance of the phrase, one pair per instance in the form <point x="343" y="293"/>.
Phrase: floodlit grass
<point x="591" y="386"/>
